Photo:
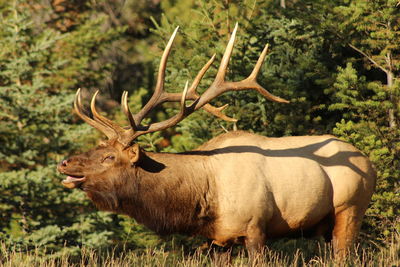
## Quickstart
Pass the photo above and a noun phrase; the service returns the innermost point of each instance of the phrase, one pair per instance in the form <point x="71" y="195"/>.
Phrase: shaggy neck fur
<point x="169" y="193"/>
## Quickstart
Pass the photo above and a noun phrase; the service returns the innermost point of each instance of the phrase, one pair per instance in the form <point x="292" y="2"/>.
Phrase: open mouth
<point x="73" y="181"/>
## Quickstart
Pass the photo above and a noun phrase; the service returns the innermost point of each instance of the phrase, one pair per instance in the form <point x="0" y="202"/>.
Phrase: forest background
<point x="338" y="62"/>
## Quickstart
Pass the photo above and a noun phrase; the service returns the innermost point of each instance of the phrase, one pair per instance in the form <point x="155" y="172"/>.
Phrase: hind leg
<point x="346" y="228"/>
<point x="324" y="228"/>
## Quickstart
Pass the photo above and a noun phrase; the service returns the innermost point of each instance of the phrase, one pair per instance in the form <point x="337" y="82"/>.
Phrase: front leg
<point x="255" y="241"/>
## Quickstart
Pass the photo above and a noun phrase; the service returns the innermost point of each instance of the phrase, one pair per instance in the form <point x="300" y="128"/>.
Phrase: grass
<point x="278" y="255"/>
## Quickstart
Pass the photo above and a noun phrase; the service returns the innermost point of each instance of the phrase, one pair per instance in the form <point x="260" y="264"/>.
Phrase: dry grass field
<point x="306" y="255"/>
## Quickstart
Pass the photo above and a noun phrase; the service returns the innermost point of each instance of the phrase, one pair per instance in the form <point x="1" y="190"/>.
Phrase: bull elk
<point x="236" y="188"/>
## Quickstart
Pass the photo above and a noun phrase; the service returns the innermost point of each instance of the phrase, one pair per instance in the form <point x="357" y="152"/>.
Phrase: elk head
<point x="120" y="153"/>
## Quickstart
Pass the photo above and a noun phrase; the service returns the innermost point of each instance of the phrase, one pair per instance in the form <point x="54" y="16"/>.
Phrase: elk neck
<point x="169" y="193"/>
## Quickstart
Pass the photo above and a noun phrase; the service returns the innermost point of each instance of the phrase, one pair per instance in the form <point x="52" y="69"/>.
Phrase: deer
<point x="237" y="188"/>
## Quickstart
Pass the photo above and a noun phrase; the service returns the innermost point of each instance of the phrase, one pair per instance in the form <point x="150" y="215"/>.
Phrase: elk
<point x="236" y="188"/>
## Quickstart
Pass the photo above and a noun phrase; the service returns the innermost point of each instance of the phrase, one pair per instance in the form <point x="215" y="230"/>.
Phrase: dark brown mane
<point x="161" y="197"/>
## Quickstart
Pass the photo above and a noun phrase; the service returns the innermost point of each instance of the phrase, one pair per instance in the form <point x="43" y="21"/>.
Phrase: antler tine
<point x="118" y="129"/>
<point x="109" y="132"/>
<point x="209" y="108"/>
<point x="157" y="96"/>
<point x="158" y="126"/>
<point x="220" y="86"/>
<point x="163" y="62"/>
<point x="199" y="76"/>
<point x="225" y="59"/>
<point x="183" y="98"/>
<point x="193" y="95"/>
<point x="252" y="80"/>
<point x="217" y="111"/>
<point x="127" y="111"/>
<point x="259" y="63"/>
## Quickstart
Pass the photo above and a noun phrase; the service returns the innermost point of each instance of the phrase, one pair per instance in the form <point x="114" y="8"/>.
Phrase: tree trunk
<point x="392" y="118"/>
<point x="283" y="3"/>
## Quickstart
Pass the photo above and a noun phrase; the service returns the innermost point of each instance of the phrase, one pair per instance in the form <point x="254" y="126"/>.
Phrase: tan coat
<point x="280" y="185"/>
<point x="236" y="188"/>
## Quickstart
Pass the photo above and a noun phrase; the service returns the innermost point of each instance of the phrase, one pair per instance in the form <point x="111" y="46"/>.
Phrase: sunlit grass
<point x="317" y="255"/>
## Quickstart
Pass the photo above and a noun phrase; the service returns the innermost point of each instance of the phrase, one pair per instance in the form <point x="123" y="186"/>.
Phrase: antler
<point x="160" y="96"/>
<point x="218" y="87"/>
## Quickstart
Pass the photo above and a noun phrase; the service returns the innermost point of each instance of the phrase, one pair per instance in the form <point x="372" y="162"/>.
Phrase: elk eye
<point x="109" y="158"/>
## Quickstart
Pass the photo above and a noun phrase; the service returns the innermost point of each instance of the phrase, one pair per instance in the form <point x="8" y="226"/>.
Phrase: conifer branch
<point x="369" y="58"/>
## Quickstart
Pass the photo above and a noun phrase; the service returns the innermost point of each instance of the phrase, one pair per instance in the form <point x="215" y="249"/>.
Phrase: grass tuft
<point x="318" y="255"/>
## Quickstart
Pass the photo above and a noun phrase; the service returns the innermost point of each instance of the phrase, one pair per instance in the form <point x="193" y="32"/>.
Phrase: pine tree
<point x="363" y="37"/>
<point x="367" y="96"/>
<point x="364" y="123"/>
<point x="373" y="30"/>
<point x="39" y="65"/>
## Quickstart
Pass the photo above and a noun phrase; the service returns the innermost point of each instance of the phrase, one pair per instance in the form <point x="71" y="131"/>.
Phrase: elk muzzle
<point x="74" y="178"/>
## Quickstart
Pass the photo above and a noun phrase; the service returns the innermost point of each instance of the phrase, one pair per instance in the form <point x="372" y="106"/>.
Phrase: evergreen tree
<point x="373" y="30"/>
<point x="366" y="92"/>
<point x="38" y="68"/>
<point x="364" y="106"/>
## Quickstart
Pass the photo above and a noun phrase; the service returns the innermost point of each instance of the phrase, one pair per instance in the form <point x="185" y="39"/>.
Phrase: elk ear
<point x="134" y="153"/>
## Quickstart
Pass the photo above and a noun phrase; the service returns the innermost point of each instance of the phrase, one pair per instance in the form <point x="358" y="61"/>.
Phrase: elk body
<point x="236" y="188"/>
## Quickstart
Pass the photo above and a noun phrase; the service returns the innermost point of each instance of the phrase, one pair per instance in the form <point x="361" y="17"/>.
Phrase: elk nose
<point x="64" y="163"/>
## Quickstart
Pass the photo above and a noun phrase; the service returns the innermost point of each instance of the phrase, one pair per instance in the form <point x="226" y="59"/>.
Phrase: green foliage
<point x="368" y="101"/>
<point x="372" y="24"/>
<point x="365" y="124"/>
<point x="37" y="70"/>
